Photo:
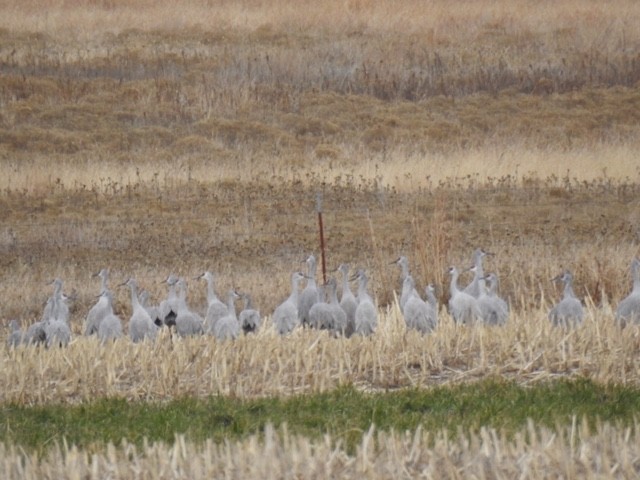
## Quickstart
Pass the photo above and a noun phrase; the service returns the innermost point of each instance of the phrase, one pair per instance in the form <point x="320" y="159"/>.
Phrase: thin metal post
<point x="319" y="210"/>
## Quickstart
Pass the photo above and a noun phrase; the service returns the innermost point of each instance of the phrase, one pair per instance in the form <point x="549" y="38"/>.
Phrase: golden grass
<point x="154" y="137"/>
<point x="527" y="350"/>
<point x="568" y="451"/>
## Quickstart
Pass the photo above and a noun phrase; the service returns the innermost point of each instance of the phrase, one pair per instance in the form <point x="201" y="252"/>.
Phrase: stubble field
<point x="151" y="139"/>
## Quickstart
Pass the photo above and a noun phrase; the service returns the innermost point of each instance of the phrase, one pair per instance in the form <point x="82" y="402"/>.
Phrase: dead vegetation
<point x="527" y="350"/>
<point x="533" y="453"/>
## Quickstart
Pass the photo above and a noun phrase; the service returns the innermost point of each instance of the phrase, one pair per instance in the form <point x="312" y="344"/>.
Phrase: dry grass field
<point x="151" y="138"/>
<point x="533" y="453"/>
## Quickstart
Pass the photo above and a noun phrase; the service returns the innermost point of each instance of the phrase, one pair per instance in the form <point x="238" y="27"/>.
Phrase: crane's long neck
<point x="404" y="265"/>
<point x="231" y="304"/>
<point x="294" y="291"/>
<point x="172" y="291"/>
<point x="407" y="287"/>
<point x="135" y="303"/>
<point x="362" y="288"/>
<point x="248" y="304"/>
<point x="453" y="286"/>
<point x="493" y="286"/>
<point x="635" y="272"/>
<point x="312" y="268"/>
<point x="109" y="300"/>
<point x="568" y="289"/>
<point x="431" y="298"/>
<point x="211" y="294"/>
<point x="333" y="294"/>
<point x="104" y="280"/>
<point x="345" y="282"/>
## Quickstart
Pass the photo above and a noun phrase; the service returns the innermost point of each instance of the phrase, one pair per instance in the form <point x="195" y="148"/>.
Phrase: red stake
<point x="319" y="210"/>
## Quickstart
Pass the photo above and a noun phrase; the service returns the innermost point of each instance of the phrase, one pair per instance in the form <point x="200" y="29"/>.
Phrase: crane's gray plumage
<point x="110" y="327"/>
<point x="320" y="316"/>
<point x="463" y="307"/>
<point x="56" y="328"/>
<point x="169" y="306"/>
<point x="417" y="313"/>
<point x="56" y="307"/>
<point x="328" y="315"/>
<point x="285" y="316"/>
<point x="310" y="295"/>
<point x="348" y="301"/>
<point x="188" y="323"/>
<point x="628" y="310"/>
<point x="249" y="317"/>
<point x="228" y="327"/>
<point x="493" y="309"/>
<point x="366" y="312"/>
<point x="99" y="310"/>
<point x="432" y="301"/>
<point x="568" y="312"/>
<point x="141" y="327"/>
<point x="475" y="288"/>
<point x="15" y="334"/>
<point x="35" y="334"/>
<point x="152" y="310"/>
<point x="216" y="309"/>
<point x="403" y="263"/>
<point x="338" y="315"/>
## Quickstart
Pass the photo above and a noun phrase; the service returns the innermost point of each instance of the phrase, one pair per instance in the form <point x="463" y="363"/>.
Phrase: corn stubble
<point x="177" y="146"/>
<point x="532" y="453"/>
<point x="527" y="350"/>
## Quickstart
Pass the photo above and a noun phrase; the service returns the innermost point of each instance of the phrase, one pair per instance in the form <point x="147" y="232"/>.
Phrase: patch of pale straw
<point x="528" y="349"/>
<point x="566" y="452"/>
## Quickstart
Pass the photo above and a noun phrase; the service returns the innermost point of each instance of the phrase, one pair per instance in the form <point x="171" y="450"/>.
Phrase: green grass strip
<point x="344" y="413"/>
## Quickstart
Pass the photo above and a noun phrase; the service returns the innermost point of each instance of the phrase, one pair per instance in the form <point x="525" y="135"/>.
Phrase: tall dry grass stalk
<point x="527" y="350"/>
<point x="533" y="453"/>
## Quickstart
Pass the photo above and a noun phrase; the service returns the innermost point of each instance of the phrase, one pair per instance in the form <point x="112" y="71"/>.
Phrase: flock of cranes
<point x="312" y="307"/>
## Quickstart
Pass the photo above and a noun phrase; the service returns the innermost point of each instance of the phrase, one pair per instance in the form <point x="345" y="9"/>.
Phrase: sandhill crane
<point x="403" y="263"/>
<point x="338" y="315"/>
<point x="110" y="327"/>
<point x="169" y="306"/>
<point x="249" y="317"/>
<point x="463" y="307"/>
<point x="56" y="328"/>
<point x="141" y="327"/>
<point x="432" y="301"/>
<point x="366" y="312"/>
<point x="15" y="335"/>
<point x="348" y="301"/>
<point x="228" y="327"/>
<point x="99" y="310"/>
<point x="475" y="287"/>
<point x="216" y="309"/>
<point x="188" y="323"/>
<point x="152" y="310"/>
<point x="628" y="310"/>
<point x="417" y="313"/>
<point x="568" y="312"/>
<point x="493" y="309"/>
<point x="310" y="295"/>
<point x="285" y="316"/>
<point x="35" y="334"/>
<point x="56" y="307"/>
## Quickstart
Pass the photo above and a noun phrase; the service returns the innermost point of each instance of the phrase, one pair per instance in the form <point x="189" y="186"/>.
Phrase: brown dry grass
<point x="151" y="137"/>
<point x="527" y="350"/>
<point x="533" y="453"/>
<point x="220" y="90"/>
